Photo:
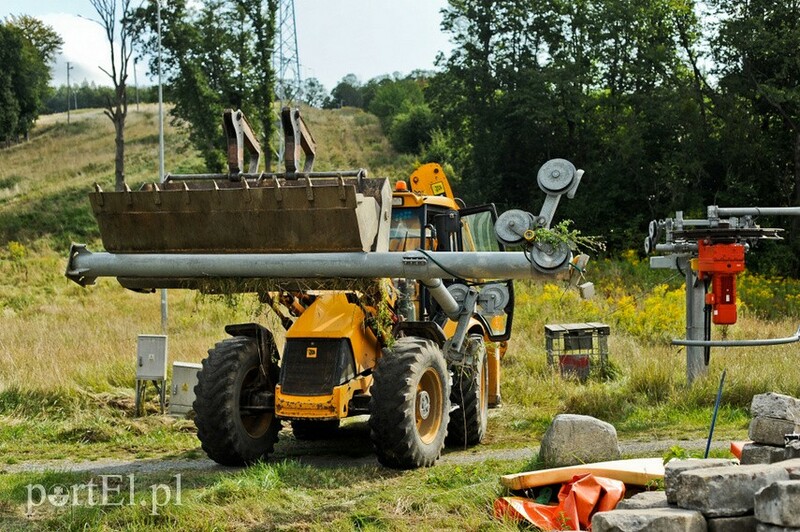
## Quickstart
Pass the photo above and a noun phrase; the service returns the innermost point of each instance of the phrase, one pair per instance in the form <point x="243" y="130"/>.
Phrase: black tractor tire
<point x="471" y="394"/>
<point x="410" y="404"/>
<point x="312" y="430"/>
<point x="229" y="436"/>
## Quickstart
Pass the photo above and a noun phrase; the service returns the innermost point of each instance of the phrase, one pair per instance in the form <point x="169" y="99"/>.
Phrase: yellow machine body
<point x="330" y="317"/>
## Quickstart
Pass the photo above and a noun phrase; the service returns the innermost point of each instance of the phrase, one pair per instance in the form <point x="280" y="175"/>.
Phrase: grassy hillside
<point x="67" y="354"/>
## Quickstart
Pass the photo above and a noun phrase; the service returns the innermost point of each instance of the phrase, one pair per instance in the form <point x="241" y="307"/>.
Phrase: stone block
<point x="745" y="523"/>
<point x="771" y="430"/>
<point x="793" y="450"/>
<point x="792" y="467"/>
<point x="645" y="499"/>
<point x="759" y="453"/>
<point x="650" y="520"/>
<point x="674" y="468"/>
<point x="765" y="527"/>
<point x="779" y="503"/>
<point x="775" y="405"/>
<point x="573" y="439"/>
<point x="726" y="491"/>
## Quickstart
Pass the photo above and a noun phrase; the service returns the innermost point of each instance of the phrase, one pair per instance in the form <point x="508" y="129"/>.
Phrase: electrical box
<point x="184" y="379"/>
<point x="577" y="347"/>
<point x="151" y="358"/>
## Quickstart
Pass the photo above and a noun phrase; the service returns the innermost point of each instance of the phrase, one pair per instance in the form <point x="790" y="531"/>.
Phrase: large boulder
<point x="573" y="439"/>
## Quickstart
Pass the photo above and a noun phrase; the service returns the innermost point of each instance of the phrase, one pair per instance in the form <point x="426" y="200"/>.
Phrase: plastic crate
<point x="577" y="347"/>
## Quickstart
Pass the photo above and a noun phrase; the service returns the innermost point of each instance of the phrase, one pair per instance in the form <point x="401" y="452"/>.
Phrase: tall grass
<point x="56" y="337"/>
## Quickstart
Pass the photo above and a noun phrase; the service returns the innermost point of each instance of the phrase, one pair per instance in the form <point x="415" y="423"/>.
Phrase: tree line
<point x="668" y="104"/>
<point x="92" y="96"/>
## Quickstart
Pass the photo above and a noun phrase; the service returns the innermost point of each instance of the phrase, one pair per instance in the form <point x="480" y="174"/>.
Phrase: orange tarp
<point x="579" y="500"/>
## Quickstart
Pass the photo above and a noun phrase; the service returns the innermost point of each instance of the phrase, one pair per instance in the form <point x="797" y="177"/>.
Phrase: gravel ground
<point x="343" y="451"/>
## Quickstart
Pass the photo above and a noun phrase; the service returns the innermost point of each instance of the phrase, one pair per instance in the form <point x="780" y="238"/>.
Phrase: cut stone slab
<point x="793" y="450"/>
<point x="745" y="523"/>
<point x="645" y="499"/>
<point x="792" y="467"/>
<point x="775" y="405"/>
<point x="779" y="503"/>
<point x="771" y="430"/>
<point x="764" y="527"/>
<point x="759" y="453"/>
<point x="726" y="491"/>
<point x="674" y="468"/>
<point x="573" y="439"/>
<point x="650" y="520"/>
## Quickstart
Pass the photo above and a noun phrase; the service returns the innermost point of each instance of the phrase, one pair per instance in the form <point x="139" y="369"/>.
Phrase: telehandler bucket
<point x="268" y="214"/>
<point x="247" y="212"/>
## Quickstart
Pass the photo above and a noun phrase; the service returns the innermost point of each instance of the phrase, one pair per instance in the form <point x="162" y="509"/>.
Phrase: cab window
<point x="406" y="230"/>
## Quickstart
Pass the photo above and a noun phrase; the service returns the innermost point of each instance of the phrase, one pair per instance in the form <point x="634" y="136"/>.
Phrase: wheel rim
<point x="256" y="425"/>
<point x="428" y="405"/>
<point x="484" y="385"/>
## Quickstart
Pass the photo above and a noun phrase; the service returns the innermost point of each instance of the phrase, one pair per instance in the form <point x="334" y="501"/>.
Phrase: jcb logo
<point x="438" y="188"/>
<point x="311" y="352"/>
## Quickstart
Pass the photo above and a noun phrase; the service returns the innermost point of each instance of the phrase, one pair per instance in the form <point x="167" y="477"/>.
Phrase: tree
<point x="43" y="37"/>
<point x="393" y="97"/>
<point x="118" y="32"/>
<point x="412" y="129"/>
<point x="216" y="55"/>
<point x="259" y="52"/>
<point x="10" y="56"/>
<point x="347" y="93"/>
<point x="27" y="46"/>
<point x="313" y="92"/>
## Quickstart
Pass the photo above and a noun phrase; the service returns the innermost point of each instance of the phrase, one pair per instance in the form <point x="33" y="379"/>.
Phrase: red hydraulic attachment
<point x="720" y="263"/>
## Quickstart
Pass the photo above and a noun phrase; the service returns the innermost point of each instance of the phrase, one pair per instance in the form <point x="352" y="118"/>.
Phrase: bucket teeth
<point x="254" y="215"/>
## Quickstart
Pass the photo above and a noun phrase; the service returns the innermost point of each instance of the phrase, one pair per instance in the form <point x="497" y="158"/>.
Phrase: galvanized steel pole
<point x="161" y="173"/>
<point x="85" y="265"/>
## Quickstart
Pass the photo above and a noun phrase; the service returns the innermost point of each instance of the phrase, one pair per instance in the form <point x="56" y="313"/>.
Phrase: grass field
<point x="67" y="353"/>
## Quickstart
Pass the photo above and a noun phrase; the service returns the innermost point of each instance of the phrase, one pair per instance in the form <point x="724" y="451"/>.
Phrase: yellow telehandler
<point x="390" y="299"/>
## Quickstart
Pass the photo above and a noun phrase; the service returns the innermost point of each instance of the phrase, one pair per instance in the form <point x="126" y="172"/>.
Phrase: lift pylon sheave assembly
<point x="711" y="253"/>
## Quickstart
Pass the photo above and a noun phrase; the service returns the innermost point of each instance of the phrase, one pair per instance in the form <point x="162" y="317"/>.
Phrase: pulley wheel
<point x="556" y="176"/>
<point x="549" y="258"/>
<point x="648" y="245"/>
<point x="510" y="226"/>
<point x="493" y="299"/>
<point x="458" y="291"/>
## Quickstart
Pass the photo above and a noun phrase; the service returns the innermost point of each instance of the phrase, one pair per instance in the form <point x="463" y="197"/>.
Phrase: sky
<point x="367" y="38"/>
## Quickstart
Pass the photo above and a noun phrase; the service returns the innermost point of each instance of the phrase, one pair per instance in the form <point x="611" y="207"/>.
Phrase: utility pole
<point x="69" y="87"/>
<point x="161" y="174"/>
